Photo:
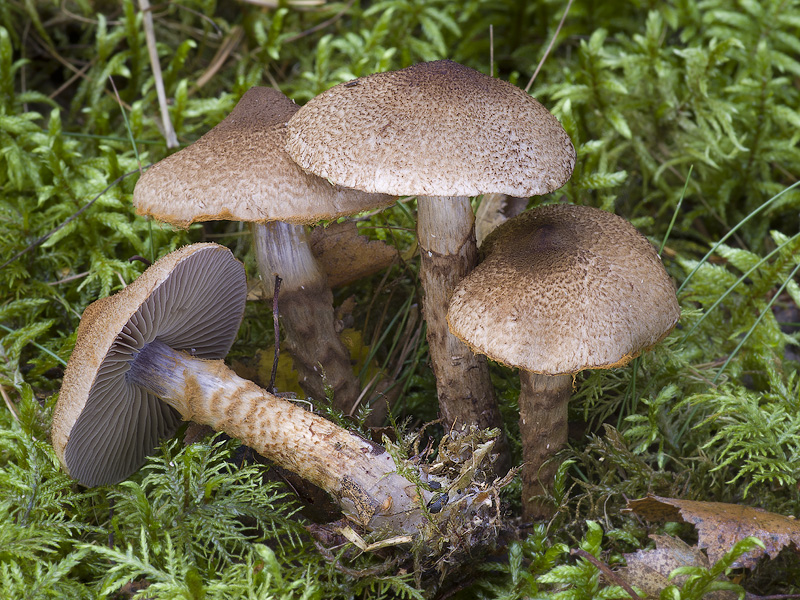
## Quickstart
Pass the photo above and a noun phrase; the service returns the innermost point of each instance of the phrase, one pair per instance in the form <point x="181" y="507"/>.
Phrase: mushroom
<point x="240" y="171"/>
<point x="443" y="132"/>
<point x="104" y="426"/>
<point x="158" y="340"/>
<point x="562" y="288"/>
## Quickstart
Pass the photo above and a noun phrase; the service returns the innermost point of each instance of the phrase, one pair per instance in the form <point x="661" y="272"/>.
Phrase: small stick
<point x="606" y="570"/>
<point x="9" y="404"/>
<point x="111" y="522"/>
<point x="71" y="218"/>
<point x="323" y="25"/>
<point x="549" y="47"/>
<point x="491" y="50"/>
<point x="150" y="36"/>
<point x="69" y="278"/>
<point x="146" y="262"/>
<point x="230" y="43"/>
<point x="275" y="313"/>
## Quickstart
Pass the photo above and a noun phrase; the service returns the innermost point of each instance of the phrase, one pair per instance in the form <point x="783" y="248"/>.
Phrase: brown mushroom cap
<point x="432" y="129"/>
<point x="564" y="288"/>
<point x="193" y="300"/>
<point x="239" y="171"/>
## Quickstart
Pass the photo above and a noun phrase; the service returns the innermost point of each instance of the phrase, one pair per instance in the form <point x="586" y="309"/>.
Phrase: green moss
<point x="647" y="90"/>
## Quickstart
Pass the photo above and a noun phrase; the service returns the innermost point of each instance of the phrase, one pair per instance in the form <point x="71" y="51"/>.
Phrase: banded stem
<point x="361" y="475"/>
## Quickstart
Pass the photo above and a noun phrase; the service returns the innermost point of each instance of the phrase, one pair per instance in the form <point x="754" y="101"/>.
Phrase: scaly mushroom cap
<point x="564" y="288"/>
<point x="239" y="171"/>
<point x="193" y="300"/>
<point x="432" y="129"/>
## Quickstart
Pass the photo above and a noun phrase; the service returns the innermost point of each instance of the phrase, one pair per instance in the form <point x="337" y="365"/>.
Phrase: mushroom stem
<point x="543" y="401"/>
<point x="306" y="309"/>
<point x="361" y="475"/>
<point x="446" y="233"/>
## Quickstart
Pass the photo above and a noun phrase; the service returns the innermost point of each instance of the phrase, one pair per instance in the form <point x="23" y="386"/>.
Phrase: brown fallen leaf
<point x="649" y="570"/>
<point x="720" y="525"/>
<point x="494" y="210"/>
<point x="347" y="256"/>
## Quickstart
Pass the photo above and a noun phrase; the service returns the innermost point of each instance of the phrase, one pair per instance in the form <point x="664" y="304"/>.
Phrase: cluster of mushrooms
<point x="558" y="289"/>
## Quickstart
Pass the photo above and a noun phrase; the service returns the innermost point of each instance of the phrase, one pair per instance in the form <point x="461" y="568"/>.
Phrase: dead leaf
<point x="344" y="255"/>
<point x="649" y="570"/>
<point x="287" y="379"/>
<point x="494" y="210"/>
<point x="347" y="256"/>
<point x="720" y="525"/>
<point x="360" y="352"/>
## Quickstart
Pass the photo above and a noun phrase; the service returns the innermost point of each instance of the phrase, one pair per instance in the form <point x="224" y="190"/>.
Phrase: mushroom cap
<point x="239" y="171"/>
<point x="433" y="129"/>
<point x="564" y="288"/>
<point x="104" y="427"/>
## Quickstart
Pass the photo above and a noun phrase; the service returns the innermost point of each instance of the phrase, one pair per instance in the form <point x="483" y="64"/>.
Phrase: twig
<point x="452" y="591"/>
<point x="229" y="44"/>
<point x="609" y="574"/>
<point x="378" y="569"/>
<point x="150" y="36"/>
<point x="130" y="133"/>
<point x="77" y="75"/>
<point x="145" y="261"/>
<point x="491" y="51"/>
<point x="300" y="5"/>
<point x="363" y="394"/>
<point x="271" y="386"/>
<point x="9" y="404"/>
<point x="69" y="278"/>
<point x="38" y="345"/>
<point x="200" y="15"/>
<point x="272" y="81"/>
<point x="74" y="216"/>
<point x="111" y="522"/>
<point x="76" y="17"/>
<point x="549" y="47"/>
<point x="411" y="342"/>
<point x="322" y="25"/>
<point x="79" y="72"/>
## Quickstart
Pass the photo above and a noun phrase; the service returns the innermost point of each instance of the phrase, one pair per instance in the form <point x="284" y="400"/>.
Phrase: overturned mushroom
<point x="443" y="132"/>
<point x="156" y="340"/>
<point x="240" y="171"/>
<point x="562" y="288"/>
